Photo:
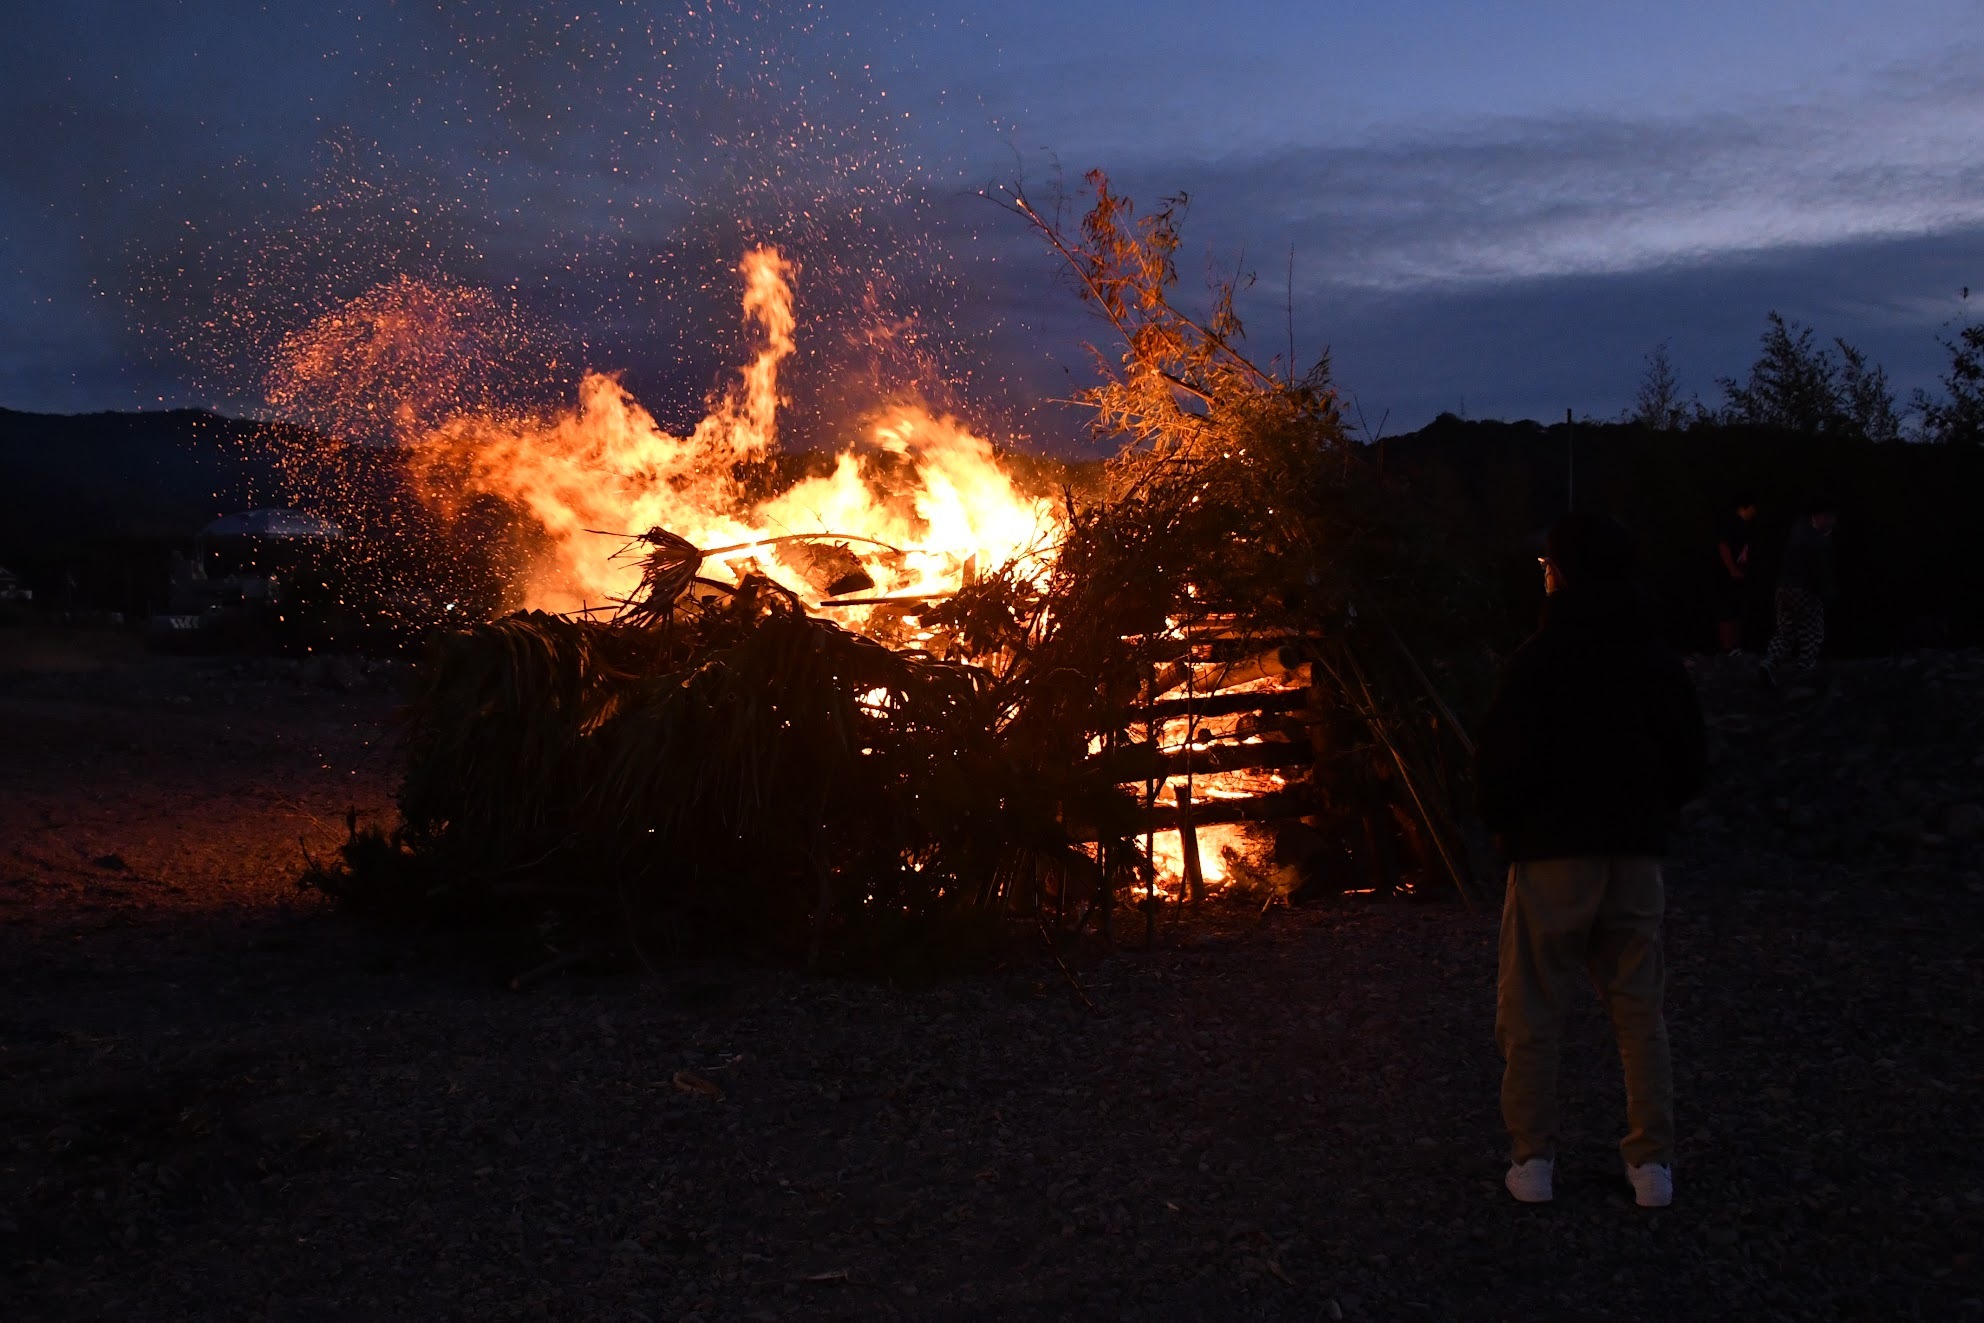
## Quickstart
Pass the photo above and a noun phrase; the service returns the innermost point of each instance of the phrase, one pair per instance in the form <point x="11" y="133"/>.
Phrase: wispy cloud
<point x="608" y="171"/>
<point x="1523" y="199"/>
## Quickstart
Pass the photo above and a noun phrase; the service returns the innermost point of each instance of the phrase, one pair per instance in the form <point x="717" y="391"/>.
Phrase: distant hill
<point x="93" y="506"/>
<point x="93" y="495"/>
<point x="128" y="476"/>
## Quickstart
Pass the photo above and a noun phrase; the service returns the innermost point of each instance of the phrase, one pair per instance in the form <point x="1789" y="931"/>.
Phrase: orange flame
<point x="606" y="468"/>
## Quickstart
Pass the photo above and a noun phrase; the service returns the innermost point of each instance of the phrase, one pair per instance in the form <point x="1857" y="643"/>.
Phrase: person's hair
<point x="1744" y="496"/>
<point x="1821" y="504"/>
<point x="1590" y="550"/>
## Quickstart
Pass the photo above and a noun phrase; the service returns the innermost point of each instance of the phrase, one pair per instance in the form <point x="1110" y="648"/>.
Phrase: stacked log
<point x="1207" y="681"/>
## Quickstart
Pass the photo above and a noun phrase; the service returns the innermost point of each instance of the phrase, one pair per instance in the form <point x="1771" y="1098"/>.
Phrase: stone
<point x="1964" y="822"/>
<point x="1901" y="831"/>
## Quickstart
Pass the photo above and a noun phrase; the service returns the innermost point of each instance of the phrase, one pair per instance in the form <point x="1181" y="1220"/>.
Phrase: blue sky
<point x="1496" y="209"/>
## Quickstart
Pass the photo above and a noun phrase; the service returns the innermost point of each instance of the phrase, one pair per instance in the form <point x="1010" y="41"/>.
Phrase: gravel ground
<point x="218" y="1101"/>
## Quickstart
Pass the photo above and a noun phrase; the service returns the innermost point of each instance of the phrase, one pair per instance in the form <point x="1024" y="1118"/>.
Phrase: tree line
<point x="1798" y="384"/>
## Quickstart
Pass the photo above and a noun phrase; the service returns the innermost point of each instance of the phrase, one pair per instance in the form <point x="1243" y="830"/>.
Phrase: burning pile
<point x="673" y="709"/>
<point x="1017" y="706"/>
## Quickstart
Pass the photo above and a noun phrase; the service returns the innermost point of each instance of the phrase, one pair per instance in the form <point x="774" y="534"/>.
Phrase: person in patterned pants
<point x="1804" y="589"/>
<point x="1801" y="629"/>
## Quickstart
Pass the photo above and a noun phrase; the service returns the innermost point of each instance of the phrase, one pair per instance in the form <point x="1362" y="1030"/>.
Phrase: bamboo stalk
<point x="1376" y="722"/>
<point x="1439" y="703"/>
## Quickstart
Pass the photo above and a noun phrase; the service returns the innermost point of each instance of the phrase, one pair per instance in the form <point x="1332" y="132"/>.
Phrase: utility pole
<point x="1570" y="461"/>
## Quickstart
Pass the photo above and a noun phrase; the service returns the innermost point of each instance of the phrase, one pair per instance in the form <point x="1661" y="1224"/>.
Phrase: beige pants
<point x="1600" y="914"/>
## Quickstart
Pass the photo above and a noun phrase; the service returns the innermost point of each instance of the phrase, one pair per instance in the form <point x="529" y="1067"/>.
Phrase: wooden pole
<point x="821" y="914"/>
<point x="1188" y="845"/>
<point x="1153" y="731"/>
<point x="1570" y="461"/>
<point x="1105" y="857"/>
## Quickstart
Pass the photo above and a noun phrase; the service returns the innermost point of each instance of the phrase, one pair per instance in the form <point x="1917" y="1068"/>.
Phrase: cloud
<point x="1534" y="347"/>
<point x="608" y="168"/>
<point x="1517" y="267"/>
<point x="1567" y="196"/>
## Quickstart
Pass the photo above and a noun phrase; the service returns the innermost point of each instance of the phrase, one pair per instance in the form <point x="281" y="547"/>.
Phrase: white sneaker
<point x="1529" y="1181"/>
<point x="1653" y="1184"/>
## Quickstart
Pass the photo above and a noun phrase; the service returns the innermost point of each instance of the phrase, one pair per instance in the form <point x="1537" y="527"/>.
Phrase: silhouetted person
<point x="1592" y="744"/>
<point x="1732" y="549"/>
<point x="1805" y="588"/>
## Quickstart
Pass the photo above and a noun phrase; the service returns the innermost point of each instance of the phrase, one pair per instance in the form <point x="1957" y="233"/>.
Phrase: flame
<point x="1167" y="854"/>
<point x="924" y="503"/>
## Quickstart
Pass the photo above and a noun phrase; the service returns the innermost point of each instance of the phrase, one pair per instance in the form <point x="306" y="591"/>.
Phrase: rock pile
<point x="1878" y="760"/>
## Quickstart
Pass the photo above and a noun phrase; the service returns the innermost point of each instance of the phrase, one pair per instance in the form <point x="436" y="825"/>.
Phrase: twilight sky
<point x="1494" y="209"/>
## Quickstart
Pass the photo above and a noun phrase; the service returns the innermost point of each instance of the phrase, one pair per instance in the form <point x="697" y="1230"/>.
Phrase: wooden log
<point x="1294" y="724"/>
<point x="1224" y="632"/>
<point x="1166" y="678"/>
<point x="894" y="600"/>
<point x="1222" y="705"/>
<point x="1227" y="625"/>
<point x="1274" y="806"/>
<point x="1280" y="663"/>
<point x="1140" y="762"/>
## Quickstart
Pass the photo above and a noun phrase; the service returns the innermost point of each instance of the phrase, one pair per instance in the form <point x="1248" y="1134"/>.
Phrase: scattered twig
<point x="538" y="972"/>
<point x="1066" y="973"/>
<point x="687" y="1081"/>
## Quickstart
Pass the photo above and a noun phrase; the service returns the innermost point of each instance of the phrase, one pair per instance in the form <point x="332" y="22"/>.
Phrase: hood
<point x="1616" y="610"/>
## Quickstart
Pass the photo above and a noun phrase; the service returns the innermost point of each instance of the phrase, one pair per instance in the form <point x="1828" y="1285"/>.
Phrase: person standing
<point x="1593" y="742"/>
<point x="1805" y="588"/>
<point x="1732" y="549"/>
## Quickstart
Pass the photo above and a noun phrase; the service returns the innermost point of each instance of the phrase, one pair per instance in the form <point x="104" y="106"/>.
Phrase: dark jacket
<point x="1594" y="739"/>
<point x="1807" y="563"/>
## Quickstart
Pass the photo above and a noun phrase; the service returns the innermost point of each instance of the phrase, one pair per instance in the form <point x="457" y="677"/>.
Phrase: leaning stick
<point x="1377" y="725"/>
<point x="1446" y="713"/>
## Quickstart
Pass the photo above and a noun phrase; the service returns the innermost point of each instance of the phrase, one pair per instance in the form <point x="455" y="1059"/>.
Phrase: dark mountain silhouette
<point x="106" y="497"/>
<point x="129" y="475"/>
<point x="94" y="506"/>
<point x="1911" y="566"/>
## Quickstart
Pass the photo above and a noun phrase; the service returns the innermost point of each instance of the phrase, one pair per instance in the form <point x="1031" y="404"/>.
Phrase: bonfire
<point x="907" y="701"/>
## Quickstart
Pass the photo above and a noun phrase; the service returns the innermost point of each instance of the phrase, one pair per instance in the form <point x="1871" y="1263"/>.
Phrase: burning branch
<point x="1124" y="265"/>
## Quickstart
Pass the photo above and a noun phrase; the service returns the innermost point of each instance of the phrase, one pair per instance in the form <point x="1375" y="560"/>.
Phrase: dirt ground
<point x="219" y="1101"/>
